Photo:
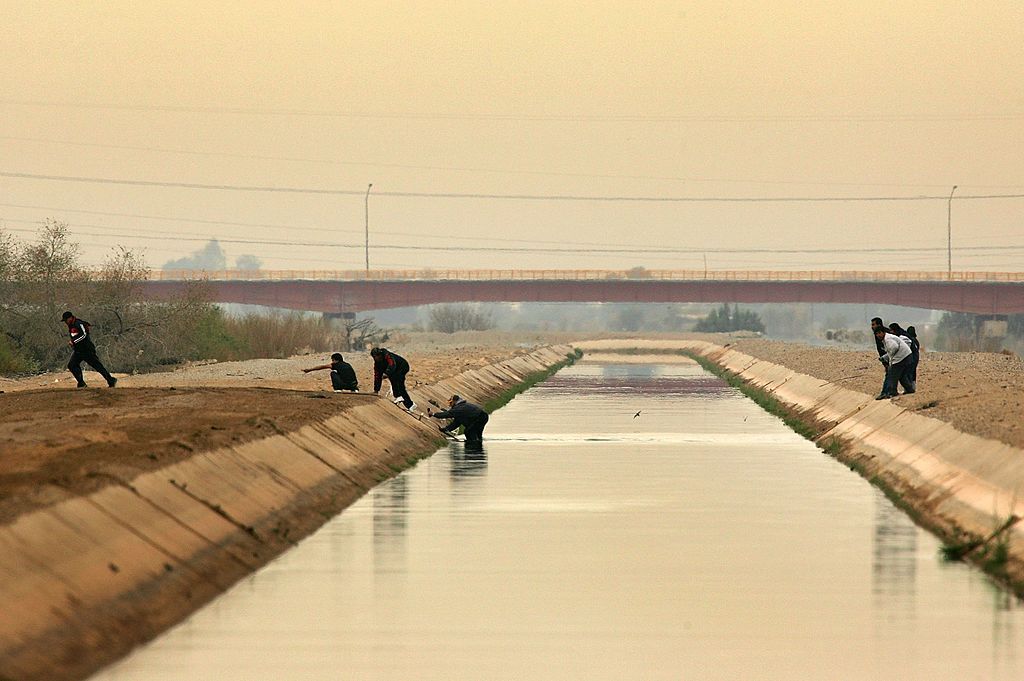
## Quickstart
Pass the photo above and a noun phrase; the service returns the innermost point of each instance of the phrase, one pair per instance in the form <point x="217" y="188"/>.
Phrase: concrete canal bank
<point x="965" y="488"/>
<point x="86" y="579"/>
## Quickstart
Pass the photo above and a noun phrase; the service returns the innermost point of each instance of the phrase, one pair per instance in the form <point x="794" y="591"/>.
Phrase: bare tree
<point x="360" y="333"/>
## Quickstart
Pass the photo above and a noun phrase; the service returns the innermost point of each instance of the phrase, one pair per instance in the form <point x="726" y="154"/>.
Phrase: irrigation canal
<point x="699" y="540"/>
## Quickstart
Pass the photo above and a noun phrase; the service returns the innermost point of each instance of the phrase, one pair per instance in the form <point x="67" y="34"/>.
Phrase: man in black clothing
<point x="394" y="368"/>
<point x="877" y="323"/>
<point x="466" y="414"/>
<point x="83" y="350"/>
<point x="343" y="376"/>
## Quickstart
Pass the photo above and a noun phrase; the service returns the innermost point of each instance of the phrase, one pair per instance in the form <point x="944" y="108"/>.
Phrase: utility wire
<point x="515" y="197"/>
<point x="572" y="118"/>
<point x="567" y="251"/>
<point x="296" y="159"/>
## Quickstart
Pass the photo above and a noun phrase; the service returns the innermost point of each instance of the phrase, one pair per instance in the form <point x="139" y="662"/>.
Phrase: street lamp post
<point x="367" y="242"/>
<point x="949" y="235"/>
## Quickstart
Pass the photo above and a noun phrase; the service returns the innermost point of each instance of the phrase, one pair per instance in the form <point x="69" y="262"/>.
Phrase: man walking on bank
<point x="466" y="414"/>
<point x="83" y="350"/>
<point x="343" y="376"/>
<point x="387" y="364"/>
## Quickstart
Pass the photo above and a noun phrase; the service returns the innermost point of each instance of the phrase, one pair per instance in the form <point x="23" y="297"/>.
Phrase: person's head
<point x="336" y="357"/>
<point x="880" y="332"/>
<point x="877" y="322"/>
<point x="453" y="400"/>
<point x="911" y="332"/>
<point x="897" y="329"/>
<point x="68" y="317"/>
<point x="376" y="352"/>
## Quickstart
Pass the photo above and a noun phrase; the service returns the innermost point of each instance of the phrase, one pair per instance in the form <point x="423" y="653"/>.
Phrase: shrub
<point x="452" y="318"/>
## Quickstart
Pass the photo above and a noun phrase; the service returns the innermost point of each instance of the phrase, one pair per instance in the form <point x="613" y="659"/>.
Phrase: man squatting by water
<point x="83" y="350"/>
<point x="343" y="376"/>
<point x="466" y="414"/>
<point x="387" y="364"/>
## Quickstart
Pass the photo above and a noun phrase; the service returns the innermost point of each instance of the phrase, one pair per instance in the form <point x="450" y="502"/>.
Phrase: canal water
<point x="625" y="521"/>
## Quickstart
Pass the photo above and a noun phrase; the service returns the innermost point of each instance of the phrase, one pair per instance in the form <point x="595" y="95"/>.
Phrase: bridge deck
<point x="995" y="293"/>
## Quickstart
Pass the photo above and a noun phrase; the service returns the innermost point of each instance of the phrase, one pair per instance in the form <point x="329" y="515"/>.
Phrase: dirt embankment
<point x="980" y="393"/>
<point x="58" y="442"/>
<point x="127" y="509"/>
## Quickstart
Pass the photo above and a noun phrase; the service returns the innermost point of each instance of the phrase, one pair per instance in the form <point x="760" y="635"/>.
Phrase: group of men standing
<point x="899" y="351"/>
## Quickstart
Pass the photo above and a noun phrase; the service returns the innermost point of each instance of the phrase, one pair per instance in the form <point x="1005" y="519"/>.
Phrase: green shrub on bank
<point x="224" y="337"/>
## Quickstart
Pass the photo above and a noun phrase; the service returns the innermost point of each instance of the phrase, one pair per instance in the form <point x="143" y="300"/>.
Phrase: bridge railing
<point x="583" y="275"/>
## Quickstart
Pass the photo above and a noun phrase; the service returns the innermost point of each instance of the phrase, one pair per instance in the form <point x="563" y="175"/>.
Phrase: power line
<point x="514" y="197"/>
<point x="296" y="159"/>
<point x="571" y="118"/>
<point x="566" y="251"/>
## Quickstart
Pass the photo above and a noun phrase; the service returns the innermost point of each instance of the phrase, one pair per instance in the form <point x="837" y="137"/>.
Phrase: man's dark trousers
<point x="89" y="357"/>
<point x="898" y="374"/>
<point x="475" y="431"/>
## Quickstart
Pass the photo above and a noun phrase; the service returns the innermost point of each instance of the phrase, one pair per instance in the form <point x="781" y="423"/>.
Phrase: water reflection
<point x="700" y="540"/>
<point x="390" y="523"/>
<point x="467" y="460"/>
<point x="894" y="557"/>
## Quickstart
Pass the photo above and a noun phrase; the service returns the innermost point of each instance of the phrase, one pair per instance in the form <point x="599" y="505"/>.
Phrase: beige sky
<point x="599" y="99"/>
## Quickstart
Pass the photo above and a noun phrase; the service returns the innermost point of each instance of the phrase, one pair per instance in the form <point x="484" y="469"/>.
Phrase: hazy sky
<point x="616" y="100"/>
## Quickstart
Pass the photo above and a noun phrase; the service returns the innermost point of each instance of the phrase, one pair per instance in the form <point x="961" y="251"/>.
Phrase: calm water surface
<point x="701" y="539"/>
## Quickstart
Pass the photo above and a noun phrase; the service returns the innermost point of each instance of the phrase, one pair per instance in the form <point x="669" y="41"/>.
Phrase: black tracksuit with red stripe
<point x="387" y="363"/>
<point x="84" y="351"/>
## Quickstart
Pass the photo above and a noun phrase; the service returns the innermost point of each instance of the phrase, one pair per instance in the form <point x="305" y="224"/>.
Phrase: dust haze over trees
<point x="210" y="257"/>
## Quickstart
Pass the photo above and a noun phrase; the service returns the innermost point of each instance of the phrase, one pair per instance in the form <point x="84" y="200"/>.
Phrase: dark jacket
<point x="347" y="374"/>
<point x="387" y="363"/>
<point x="463" y="413"/>
<point x="80" y="340"/>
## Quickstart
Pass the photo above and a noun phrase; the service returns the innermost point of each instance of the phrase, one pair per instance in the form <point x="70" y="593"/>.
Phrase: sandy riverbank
<point x="58" y="442"/>
<point x="143" y="528"/>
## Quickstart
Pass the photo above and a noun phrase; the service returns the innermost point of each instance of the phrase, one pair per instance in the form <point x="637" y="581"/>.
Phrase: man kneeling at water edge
<point x="466" y="414"/>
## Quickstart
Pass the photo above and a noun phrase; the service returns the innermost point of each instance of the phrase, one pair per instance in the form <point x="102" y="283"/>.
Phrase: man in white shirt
<point x="897" y="353"/>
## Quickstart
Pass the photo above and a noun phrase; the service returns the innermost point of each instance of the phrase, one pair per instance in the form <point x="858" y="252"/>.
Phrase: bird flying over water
<point x="636" y="414"/>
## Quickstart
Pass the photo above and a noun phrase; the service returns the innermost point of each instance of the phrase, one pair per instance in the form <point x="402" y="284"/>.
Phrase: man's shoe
<point x="412" y="407"/>
<point x="112" y="382"/>
<point x="883" y="396"/>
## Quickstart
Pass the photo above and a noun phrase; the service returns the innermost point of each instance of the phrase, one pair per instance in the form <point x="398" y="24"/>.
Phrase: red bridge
<point x="989" y="293"/>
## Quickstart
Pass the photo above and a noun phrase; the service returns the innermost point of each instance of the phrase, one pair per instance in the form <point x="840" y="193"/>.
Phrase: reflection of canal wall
<point x="83" y="581"/>
<point x="961" y="486"/>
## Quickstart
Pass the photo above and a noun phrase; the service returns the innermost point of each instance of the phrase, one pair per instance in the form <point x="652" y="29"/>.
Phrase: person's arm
<point x="377" y="377"/>
<point x="316" y="368"/>
<point x="892" y="346"/>
<point x="82" y="333"/>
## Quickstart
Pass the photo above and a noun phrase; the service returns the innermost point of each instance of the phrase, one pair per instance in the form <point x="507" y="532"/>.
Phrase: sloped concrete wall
<point x="962" y="486"/>
<point x="83" y="581"/>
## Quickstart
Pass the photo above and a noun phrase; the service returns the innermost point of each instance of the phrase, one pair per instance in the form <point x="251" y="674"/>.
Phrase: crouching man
<point x="343" y="376"/>
<point x="466" y="414"/>
<point x="897" y="354"/>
